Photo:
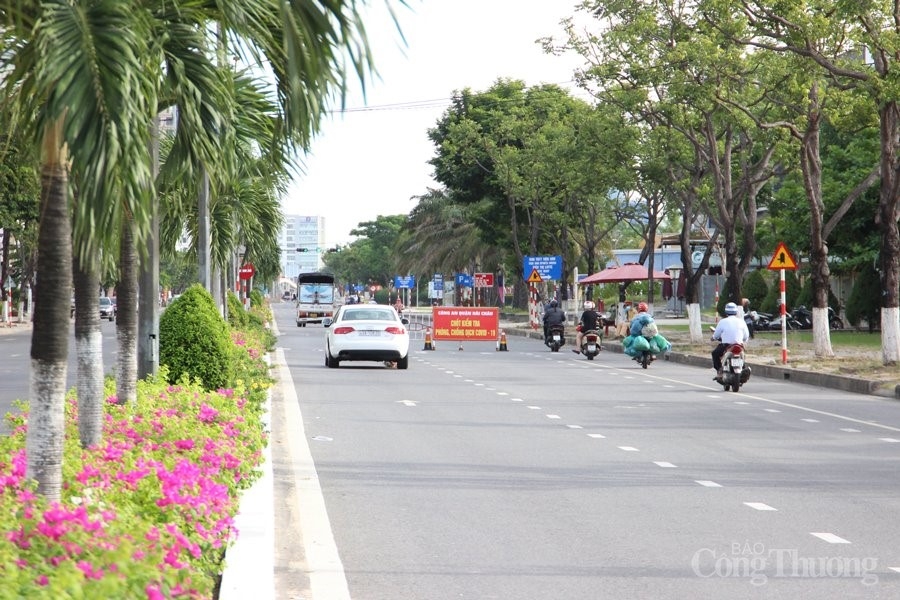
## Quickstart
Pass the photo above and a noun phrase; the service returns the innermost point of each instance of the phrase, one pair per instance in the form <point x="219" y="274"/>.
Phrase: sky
<point x="371" y="162"/>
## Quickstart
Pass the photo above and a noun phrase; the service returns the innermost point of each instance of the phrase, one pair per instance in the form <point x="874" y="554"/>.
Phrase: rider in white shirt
<point x="730" y="330"/>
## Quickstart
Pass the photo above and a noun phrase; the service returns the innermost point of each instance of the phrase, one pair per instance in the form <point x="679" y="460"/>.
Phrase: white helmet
<point x="731" y="308"/>
<point x="588" y="305"/>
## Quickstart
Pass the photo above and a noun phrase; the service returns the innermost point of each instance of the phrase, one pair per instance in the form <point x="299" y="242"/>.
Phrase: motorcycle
<point x="556" y="338"/>
<point x="734" y="372"/>
<point x="645" y="357"/>
<point x="590" y="343"/>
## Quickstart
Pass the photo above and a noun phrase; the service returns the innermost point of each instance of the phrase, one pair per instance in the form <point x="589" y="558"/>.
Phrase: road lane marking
<point x="553" y="417"/>
<point x="628" y="448"/>
<point x="741" y="402"/>
<point x="772" y="410"/>
<point x="811" y="420"/>
<point x="574" y="426"/>
<point x="760" y="506"/>
<point x="598" y="436"/>
<point x="889" y="440"/>
<point x="850" y="430"/>
<point x="479" y="385"/>
<point x="707" y="483"/>
<point x="407" y="402"/>
<point x="830" y="538"/>
<point x="516" y="399"/>
<point x="502" y="394"/>
<point x="664" y="465"/>
<point x="897" y="569"/>
<point x="534" y="408"/>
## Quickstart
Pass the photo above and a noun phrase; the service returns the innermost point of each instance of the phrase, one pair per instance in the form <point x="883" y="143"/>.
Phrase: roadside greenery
<point x="148" y="512"/>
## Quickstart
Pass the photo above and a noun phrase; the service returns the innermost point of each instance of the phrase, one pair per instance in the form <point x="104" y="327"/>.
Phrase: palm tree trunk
<point x="50" y="335"/>
<point x="89" y="352"/>
<point x="126" y="316"/>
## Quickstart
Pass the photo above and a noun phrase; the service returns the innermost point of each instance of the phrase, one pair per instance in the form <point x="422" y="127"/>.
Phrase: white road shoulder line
<point x="830" y="538"/>
<point x="323" y="563"/>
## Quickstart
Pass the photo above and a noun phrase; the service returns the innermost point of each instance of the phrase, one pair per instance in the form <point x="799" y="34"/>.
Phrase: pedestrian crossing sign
<point x="535" y="277"/>
<point x="782" y="259"/>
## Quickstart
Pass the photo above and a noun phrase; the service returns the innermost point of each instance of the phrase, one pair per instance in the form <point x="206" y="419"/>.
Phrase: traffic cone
<point x="502" y="346"/>
<point x="429" y="345"/>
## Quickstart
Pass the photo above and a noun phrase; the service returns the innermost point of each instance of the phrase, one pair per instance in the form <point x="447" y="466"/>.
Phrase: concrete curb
<point x="826" y="380"/>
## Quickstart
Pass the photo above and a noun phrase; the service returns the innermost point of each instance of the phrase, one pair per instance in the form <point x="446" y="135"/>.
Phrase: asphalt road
<point x="15" y="361"/>
<point x="531" y="474"/>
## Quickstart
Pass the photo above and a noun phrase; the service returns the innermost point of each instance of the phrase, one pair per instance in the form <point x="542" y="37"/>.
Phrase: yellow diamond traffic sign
<point x="782" y="259"/>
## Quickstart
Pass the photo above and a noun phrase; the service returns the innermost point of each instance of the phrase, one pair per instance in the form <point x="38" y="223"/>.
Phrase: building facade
<point x="302" y="243"/>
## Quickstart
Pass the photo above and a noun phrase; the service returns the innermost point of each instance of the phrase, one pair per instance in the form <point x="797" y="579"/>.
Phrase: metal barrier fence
<point x="419" y="322"/>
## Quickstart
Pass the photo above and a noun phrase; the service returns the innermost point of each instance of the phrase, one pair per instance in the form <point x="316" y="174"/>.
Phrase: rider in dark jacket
<point x="554" y="316"/>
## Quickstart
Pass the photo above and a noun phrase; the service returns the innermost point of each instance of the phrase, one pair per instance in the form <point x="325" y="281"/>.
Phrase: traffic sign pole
<point x="783" y="318"/>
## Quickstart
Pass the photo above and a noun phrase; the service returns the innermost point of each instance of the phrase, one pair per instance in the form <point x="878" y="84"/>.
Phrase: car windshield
<point x="369" y="315"/>
<point x="104" y="301"/>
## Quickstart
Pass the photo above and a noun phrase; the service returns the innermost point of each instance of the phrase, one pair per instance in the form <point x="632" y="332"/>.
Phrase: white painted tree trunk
<point x="46" y="425"/>
<point x="821" y="333"/>
<point x="695" y="323"/>
<point x="890" y="335"/>
<point x="91" y="400"/>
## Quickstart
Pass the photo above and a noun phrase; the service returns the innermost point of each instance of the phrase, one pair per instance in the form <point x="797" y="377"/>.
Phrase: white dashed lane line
<point x="628" y="449"/>
<point x="889" y="440"/>
<point x="810" y="420"/>
<point x="850" y="430"/>
<point x="707" y="483"/>
<point x="760" y="506"/>
<point x="830" y="538"/>
<point x="664" y="465"/>
<point x="772" y="410"/>
<point x="598" y="436"/>
<point x="574" y="426"/>
<point x="534" y="408"/>
<point x="553" y="417"/>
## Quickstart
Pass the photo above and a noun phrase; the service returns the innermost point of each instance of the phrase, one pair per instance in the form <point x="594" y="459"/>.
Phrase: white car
<point x="366" y="332"/>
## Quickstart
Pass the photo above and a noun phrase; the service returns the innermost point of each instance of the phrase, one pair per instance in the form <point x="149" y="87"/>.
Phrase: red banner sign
<point x="466" y="323"/>
<point x="484" y="280"/>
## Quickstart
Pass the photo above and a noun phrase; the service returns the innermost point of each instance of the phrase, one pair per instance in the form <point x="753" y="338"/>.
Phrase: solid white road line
<point x="830" y="538"/>
<point x="323" y="563"/>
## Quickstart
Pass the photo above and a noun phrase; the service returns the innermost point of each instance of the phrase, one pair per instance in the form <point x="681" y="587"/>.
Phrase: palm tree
<point x="88" y="74"/>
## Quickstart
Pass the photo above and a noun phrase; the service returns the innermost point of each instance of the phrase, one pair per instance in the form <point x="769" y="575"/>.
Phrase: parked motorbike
<point x="590" y="343"/>
<point x="734" y="372"/>
<point x="801" y="318"/>
<point x="556" y="338"/>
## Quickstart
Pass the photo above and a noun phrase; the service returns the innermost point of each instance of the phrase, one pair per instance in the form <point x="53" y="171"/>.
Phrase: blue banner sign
<point x="548" y="267"/>
<point x="438" y="281"/>
<point x="408" y="282"/>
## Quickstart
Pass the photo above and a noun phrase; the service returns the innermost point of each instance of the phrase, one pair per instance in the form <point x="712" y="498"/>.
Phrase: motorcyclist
<point x="730" y="330"/>
<point x="589" y="321"/>
<point x="554" y="315"/>
<point x="640" y="320"/>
